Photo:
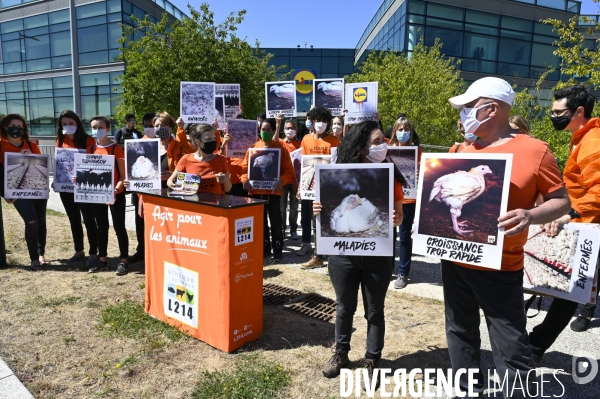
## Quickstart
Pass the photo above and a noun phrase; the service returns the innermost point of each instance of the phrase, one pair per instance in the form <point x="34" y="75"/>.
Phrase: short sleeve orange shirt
<point x="321" y="146"/>
<point x="206" y="170"/>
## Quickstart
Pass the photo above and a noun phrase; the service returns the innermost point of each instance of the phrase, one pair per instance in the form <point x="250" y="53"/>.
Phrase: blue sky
<point x="289" y="23"/>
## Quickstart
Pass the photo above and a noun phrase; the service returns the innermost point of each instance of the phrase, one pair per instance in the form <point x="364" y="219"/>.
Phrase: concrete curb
<point x="10" y="386"/>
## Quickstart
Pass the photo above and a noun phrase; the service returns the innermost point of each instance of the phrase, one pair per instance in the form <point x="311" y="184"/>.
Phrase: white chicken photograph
<point x="307" y="174"/>
<point x="356" y="201"/>
<point x="142" y="163"/>
<point x="329" y="93"/>
<point x="263" y="167"/>
<point x="197" y="102"/>
<point x="280" y="98"/>
<point x="462" y="197"/>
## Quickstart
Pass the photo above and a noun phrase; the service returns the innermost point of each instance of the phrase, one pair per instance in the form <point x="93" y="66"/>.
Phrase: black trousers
<point x="2" y="246"/>
<point x="75" y="211"/>
<point x="372" y="274"/>
<point x="35" y="233"/>
<point x="139" y="224"/>
<point x="117" y="211"/>
<point x="500" y="296"/>
<point x="273" y="214"/>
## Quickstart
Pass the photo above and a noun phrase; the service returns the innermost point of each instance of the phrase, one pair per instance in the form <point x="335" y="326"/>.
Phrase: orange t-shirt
<point x="111" y="149"/>
<point x="291" y="146"/>
<point x="534" y="173"/>
<point x="398" y="193"/>
<point x="235" y="169"/>
<point x="68" y="143"/>
<point x="5" y="146"/>
<point x="321" y="146"/>
<point x="206" y="171"/>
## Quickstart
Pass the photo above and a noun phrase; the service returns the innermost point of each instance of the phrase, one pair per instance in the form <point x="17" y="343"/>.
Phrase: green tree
<point x="193" y="49"/>
<point x="419" y="85"/>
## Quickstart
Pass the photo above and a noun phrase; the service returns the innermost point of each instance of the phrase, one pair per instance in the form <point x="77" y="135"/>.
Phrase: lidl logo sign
<point x="360" y="94"/>
<point x="304" y="81"/>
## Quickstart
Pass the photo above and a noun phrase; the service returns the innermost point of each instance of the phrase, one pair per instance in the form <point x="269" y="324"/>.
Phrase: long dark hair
<point x="80" y="137"/>
<point x="4" y="126"/>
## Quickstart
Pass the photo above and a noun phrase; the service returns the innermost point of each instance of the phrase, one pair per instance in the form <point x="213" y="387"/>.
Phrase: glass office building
<point x="492" y="37"/>
<point x="36" y="63"/>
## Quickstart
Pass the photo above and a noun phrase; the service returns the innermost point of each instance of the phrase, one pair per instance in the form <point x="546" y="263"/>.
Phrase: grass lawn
<point x="69" y="334"/>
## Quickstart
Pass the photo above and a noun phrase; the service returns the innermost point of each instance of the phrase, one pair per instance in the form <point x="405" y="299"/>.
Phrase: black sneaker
<point x="581" y="324"/>
<point x="338" y="361"/>
<point x="370" y="365"/>
<point x="98" y="266"/>
<point x="122" y="269"/>
<point x="277" y="257"/>
<point x="138" y="256"/>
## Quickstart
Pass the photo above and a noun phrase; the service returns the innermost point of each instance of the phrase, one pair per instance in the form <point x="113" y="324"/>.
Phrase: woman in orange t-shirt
<point x="70" y="133"/>
<point x="211" y="168"/>
<point x="15" y="138"/>
<point x="402" y="135"/>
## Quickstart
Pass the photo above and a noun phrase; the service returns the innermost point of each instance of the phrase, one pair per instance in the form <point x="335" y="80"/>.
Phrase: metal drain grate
<point x="277" y="295"/>
<point x="314" y="305"/>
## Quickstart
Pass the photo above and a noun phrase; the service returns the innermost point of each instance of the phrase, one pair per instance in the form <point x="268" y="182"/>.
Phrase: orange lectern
<point x="204" y="265"/>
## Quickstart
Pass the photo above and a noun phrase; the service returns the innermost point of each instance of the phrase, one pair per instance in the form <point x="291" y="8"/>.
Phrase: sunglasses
<point x="133" y="121"/>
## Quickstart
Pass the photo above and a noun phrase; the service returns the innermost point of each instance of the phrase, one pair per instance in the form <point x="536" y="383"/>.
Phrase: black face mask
<point x="209" y="147"/>
<point x="15" y="131"/>
<point x="561" y="122"/>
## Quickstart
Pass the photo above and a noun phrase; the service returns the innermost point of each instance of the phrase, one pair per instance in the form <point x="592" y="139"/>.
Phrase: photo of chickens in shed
<point x="461" y="199"/>
<point x="281" y="96"/>
<point x="355" y="202"/>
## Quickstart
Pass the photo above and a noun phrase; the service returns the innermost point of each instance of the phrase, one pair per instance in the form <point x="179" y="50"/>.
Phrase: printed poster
<point x="186" y="184"/>
<point x="26" y="176"/>
<point x="406" y="161"/>
<point x="281" y="98"/>
<point x="94" y="178"/>
<point x="142" y="164"/>
<point x="264" y="167"/>
<point x="563" y="266"/>
<point x="459" y="200"/>
<point x="181" y="294"/>
<point x="296" y="157"/>
<point x="244" y="136"/>
<point x="244" y="231"/>
<point x="358" y="201"/>
<point x="64" y="169"/>
<point x="307" y="179"/>
<point x="233" y="99"/>
<point x="220" y="111"/>
<point x="361" y="102"/>
<point x="197" y="102"/>
<point x="329" y="93"/>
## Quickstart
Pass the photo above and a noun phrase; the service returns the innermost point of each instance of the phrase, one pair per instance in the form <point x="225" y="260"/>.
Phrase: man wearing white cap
<point x="485" y="109"/>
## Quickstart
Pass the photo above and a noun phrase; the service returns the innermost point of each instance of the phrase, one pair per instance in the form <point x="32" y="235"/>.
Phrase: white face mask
<point x="337" y="128"/>
<point x="320" y="127"/>
<point x="377" y="153"/>
<point x="99" y="133"/>
<point x="289" y="133"/>
<point x="149" y="131"/>
<point x="468" y="117"/>
<point x="69" y="129"/>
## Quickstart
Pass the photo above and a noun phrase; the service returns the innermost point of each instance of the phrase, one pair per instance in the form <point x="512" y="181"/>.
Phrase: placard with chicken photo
<point x="281" y="98"/>
<point x="459" y="200"/>
<point x="361" y="102"/>
<point x="220" y="111"/>
<point x="64" y="169"/>
<point x="564" y="265"/>
<point x="357" y="204"/>
<point x="233" y="99"/>
<point x="296" y="157"/>
<point x="26" y="176"/>
<point x="94" y="178"/>
<point x="329" y="93"/>
<point x="263" y="167"/>
<point x="142" y="164"/>
<point x="244" y="135"/>
<point x="307" y="174"/>
<point x="406" y="160"/>
<point x="197" y="102"/>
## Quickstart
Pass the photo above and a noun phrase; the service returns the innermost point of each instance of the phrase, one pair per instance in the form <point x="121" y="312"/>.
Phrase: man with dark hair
<point x="128" y="132"/>
<point x="572" y="111"/>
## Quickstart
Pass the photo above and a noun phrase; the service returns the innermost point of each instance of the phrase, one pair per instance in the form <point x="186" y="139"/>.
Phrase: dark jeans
<point x="75" y="211"/>
<point x="237" y="189"/>
<point x="406" y="242"/>
<point x="500" y="296"/>
<point x="2" y="246"/>
<point x="117" y="211"/>
<point x="306" y="217"/>
<point x="558" y="317"/>
<point x="35" y="233"/>
<point x="139" y="224"/>
<point x="288" y="191"/>
<point x="272" y="213"/>
<point x="372" y="274"/>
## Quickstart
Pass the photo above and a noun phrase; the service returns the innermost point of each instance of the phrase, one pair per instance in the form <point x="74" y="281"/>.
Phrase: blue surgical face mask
<point x="309" y="124"/>
<point x="403" y="136"/>
<point x="471" y="136"/>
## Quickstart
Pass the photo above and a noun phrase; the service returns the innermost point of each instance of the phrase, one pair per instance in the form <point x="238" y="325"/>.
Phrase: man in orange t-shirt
<point x="572" y="111"/>
<point x="485" y="109"/>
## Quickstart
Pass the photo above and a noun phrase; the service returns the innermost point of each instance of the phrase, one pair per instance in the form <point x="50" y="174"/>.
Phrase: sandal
<point x="36" y="266"/>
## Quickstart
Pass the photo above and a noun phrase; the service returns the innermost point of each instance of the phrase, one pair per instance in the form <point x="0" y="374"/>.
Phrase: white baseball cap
<point x="489" y="87"/>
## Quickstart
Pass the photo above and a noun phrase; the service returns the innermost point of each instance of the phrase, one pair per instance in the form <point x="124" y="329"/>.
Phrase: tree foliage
<point x="193" y="49"/>
<point x="418" y="84"/>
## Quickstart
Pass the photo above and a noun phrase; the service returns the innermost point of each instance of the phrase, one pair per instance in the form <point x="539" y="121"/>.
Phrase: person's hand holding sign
<point x="520" y="219"/>
<point x="247" y="186"/>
